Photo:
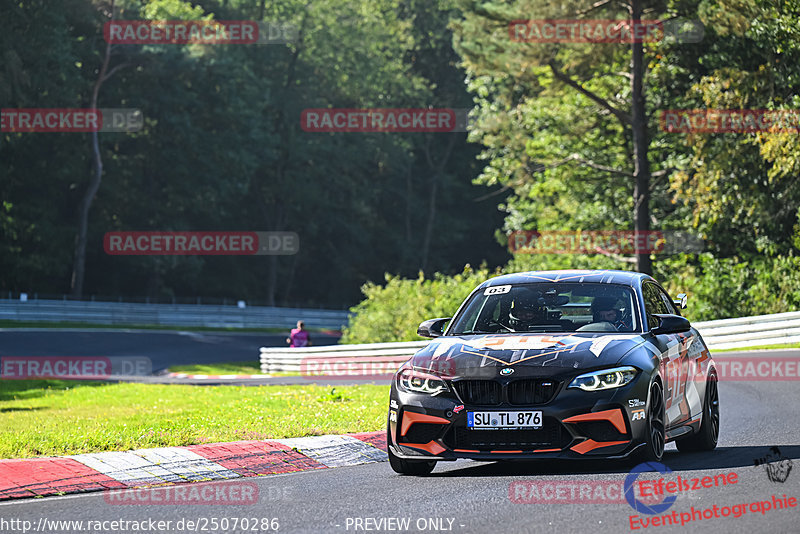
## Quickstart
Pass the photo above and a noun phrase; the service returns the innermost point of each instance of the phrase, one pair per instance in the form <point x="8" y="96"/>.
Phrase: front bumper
<point x="576" y="424"/>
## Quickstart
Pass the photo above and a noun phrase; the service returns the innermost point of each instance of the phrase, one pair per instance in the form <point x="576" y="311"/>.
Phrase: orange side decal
<point x="590" y="445"/>
<point x="409" y="418"/>
<point x="547" y="450"/>
<point x="614" y="416"/>
<point x="465" y="450"/>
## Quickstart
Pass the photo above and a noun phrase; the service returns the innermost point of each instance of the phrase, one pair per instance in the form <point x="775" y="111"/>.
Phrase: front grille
<point x="479" y="392"/>
<point x="422" y="432"/>
<point x="536" y="391"/>
<point x="523" y="392"/>
<point x="549" y="437"/>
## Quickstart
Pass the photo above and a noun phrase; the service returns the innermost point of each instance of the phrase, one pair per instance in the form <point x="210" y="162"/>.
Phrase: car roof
<point x="570" y="275"/>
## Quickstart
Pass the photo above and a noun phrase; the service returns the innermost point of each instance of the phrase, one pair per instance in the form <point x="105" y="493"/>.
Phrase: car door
<point x="674" y="365"/>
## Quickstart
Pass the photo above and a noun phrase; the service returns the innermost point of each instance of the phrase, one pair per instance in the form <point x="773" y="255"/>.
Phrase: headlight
<point x="605" y="379"/>
<point x="410" y="380"/>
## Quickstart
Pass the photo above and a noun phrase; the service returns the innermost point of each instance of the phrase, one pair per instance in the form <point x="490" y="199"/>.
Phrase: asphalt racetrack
<point x="162" y="347"/>
<point x="494" y="497"/>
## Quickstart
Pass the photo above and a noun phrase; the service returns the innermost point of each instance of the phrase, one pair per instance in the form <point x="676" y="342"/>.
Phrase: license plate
<point x="491" y="420"/>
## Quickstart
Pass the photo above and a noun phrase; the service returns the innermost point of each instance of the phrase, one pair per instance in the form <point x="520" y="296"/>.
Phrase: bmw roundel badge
<point x="507" y="371"/>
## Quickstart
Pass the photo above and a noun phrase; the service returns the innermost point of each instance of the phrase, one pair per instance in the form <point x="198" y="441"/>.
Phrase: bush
<point x="718" y="288"/>
<point x="392" y="312"/>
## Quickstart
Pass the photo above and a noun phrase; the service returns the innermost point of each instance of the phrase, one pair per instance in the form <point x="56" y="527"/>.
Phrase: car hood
<point x="526" y="354"/>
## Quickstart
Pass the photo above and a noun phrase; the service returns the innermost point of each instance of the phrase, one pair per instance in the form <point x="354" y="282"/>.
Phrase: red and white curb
<point x="174" y="465"/>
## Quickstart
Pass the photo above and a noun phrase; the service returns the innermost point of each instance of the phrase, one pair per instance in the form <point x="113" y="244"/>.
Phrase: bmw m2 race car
<point x="555" y="364"/>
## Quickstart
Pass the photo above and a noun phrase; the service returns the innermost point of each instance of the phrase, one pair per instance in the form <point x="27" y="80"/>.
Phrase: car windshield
<point x="548" y="307"/>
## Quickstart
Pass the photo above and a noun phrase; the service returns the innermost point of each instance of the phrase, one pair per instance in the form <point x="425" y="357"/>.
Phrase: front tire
<point x="706" y="437"/>
<point x="653" y="449"/>
<point x="407" y="467"/>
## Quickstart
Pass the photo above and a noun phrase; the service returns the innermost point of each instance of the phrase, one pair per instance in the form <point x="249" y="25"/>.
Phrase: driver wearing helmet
<point x="523" y="315"/>
<point x="603" y="310"/>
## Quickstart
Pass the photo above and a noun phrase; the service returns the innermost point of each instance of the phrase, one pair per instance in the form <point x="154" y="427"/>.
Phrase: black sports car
<point x="555" y="364"/>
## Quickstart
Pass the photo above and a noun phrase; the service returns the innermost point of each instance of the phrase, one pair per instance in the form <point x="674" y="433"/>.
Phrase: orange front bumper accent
<point x="590" y="445"/>
<point x="614" y="416"/>
<point x="431" y="447"/>
<point x="409" y="418"/>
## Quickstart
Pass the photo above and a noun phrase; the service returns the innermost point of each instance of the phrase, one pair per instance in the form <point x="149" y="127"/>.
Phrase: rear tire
<point x="653" y="449"/>
<point x="407" y="467"/>
<point x="706" y="438"/>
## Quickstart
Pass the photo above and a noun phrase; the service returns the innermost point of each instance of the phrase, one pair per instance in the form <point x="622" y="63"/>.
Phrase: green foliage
<point x="566" y="158"/>
<point x="222" y="149"/>
<point x="719" y="288"/>
<point x="741" y="189"/>
<point x="393" y="311"/>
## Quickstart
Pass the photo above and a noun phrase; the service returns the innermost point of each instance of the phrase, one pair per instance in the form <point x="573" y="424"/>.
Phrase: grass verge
<point x="227" y="368"/>
<point x="52" y="417"/>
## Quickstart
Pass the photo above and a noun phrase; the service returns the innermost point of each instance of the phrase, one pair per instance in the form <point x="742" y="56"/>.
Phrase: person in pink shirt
<point x="299" y="336"/>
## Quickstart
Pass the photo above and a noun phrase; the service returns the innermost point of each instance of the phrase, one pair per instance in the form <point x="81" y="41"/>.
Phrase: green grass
<point x="761" y="347"/>
<point x="227" y="368"/>
<point x="51" y="417"/>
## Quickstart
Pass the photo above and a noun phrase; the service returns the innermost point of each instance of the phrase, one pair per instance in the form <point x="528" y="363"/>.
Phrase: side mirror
<point x="432" y="327"/>
<point x="670" y="324"/>
<point x="680" y="300"/>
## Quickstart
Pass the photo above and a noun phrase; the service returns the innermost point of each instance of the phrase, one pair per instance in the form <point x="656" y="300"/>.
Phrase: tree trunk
<point x="79" y="264"/>
<point x="438" y="170"/>
<point x="426" y="243"/>
<point x="641" y="169"/>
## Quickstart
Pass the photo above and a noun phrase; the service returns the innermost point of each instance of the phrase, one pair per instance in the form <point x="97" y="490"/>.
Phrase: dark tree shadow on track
<point x="720" y="458"/>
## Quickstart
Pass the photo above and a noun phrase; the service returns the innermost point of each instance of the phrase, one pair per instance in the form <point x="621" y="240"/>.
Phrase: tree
<point x="600" y="86"/>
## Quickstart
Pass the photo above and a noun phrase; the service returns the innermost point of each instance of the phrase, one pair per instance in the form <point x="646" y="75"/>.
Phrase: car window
<point x="668" y="302"/>
<point x="547" y="307"/>
<point x="653" y="303"/>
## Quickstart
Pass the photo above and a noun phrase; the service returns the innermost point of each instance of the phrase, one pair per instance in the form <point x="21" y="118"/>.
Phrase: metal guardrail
<point x="742" y="332"/>
<point x="127" y="313"/>
<point x="290" y="359"/>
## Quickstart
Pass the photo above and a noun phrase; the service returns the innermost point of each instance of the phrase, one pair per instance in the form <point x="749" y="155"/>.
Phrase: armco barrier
<point x="742" y="332"/>
<point x="289" y="359"/>
<point x="127" y="313"/>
